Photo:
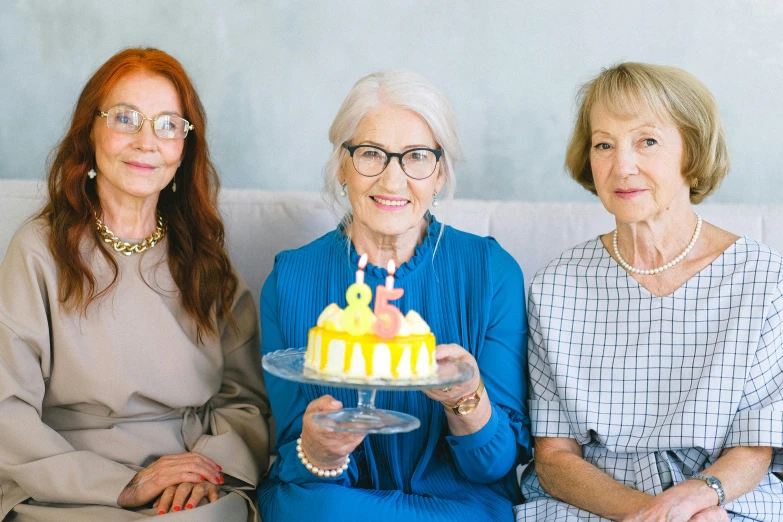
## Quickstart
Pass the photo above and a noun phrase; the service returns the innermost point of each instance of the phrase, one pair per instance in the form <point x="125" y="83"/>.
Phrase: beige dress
<point x="88" y="400"/>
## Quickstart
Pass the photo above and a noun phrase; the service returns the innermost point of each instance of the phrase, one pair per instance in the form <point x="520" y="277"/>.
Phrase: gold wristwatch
<point x="468" y="403"/>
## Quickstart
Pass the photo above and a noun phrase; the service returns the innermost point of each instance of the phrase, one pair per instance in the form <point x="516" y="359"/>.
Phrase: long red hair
<point x="198" y="261"/>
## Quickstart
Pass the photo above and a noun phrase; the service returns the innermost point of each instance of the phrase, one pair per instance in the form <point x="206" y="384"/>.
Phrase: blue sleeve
<point x="288" y="402"/>
<point x="492" y="452"/>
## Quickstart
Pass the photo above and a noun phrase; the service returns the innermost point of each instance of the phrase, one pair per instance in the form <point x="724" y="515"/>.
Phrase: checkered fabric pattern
<point x="653" y="388"/>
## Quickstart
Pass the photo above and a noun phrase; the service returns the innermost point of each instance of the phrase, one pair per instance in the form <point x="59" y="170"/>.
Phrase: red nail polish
<point x="177" y="508"/>
<point x="161" y="512"/>
<point x="219" y="467"/>
<point x="217" y="479"/>
<point x="222" y="480"/>
<point x="189" y="506"/>
<point x="202" y="478"/>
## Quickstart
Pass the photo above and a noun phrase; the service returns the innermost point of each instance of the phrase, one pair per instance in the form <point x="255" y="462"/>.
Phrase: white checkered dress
<point x="654" y="387"/>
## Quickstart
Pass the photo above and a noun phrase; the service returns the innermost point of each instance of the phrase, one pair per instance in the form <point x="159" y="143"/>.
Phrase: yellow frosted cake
<point x="333" y="351"/>
<point x="359" y="343"/>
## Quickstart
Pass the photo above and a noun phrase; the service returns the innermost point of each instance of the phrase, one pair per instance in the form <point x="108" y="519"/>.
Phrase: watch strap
<point x="713" y="483"/>
<point x="476" y="394"/>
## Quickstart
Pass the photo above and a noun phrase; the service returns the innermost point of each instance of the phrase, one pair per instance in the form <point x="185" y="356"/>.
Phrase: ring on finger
<point x="446" y="389"/>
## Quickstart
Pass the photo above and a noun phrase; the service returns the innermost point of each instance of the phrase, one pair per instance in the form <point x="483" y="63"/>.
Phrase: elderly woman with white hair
<point x="458" y="464"/>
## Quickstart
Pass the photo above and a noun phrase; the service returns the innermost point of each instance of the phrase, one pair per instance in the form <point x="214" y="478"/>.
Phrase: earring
<point x="91" y="173"/>
<point x="435" y="199"/>
<point x="343" y="192"/>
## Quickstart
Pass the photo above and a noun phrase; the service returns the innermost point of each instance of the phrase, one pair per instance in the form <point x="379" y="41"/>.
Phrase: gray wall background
<point x="273" y="73"/>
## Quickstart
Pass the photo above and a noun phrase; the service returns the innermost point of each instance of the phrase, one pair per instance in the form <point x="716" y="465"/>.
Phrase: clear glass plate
<point x="289" y="365"/>
<point x="365" y="418"/>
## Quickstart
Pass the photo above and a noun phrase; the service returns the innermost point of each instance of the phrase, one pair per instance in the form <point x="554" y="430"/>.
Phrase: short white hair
<point x="398" y="88"/>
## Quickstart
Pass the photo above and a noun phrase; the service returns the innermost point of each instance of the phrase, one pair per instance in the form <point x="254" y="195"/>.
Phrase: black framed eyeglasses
<point x="166" y="126"/>
<point x="371" y="161"/>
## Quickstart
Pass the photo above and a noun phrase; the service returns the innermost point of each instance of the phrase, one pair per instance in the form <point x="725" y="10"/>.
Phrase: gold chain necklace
<point x="127" y="248"/>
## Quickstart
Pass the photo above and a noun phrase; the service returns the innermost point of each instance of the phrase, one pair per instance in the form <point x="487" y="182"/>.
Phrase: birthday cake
<point x="364" y="344"/>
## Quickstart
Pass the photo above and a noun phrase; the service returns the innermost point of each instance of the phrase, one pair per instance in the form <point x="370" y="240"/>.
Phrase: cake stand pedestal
<point x="365" y="418"/>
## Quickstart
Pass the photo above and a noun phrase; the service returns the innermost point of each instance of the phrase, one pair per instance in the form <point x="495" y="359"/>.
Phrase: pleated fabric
<point x="471" y="293"/>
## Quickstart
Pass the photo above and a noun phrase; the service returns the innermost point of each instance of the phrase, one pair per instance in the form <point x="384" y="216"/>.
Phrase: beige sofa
<point x="261" y="223"/>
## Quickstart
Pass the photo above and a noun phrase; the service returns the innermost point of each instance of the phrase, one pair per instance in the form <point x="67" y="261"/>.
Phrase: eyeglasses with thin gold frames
<point x="130" y="121"/>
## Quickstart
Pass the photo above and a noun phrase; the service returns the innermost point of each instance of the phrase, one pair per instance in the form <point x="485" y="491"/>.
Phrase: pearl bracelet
<point x="315" y="470"/>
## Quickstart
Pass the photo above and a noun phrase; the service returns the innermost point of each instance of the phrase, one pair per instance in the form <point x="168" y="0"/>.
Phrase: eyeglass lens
<point x="416" y="163"/>
<point x="166" y="126"/>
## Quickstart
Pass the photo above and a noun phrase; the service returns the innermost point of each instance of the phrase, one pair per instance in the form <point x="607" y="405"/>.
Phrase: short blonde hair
<point x="396" y="88"/>
<point x="627" y="89"/>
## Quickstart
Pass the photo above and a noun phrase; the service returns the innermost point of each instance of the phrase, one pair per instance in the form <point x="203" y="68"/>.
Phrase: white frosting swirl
<point x="415" y="324"/>
<point x="333" y="315"/>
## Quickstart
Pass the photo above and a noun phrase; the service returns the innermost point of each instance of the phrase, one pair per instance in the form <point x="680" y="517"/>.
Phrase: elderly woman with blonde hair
<point x="394" y="142"/>
<point x="655" y="350"/>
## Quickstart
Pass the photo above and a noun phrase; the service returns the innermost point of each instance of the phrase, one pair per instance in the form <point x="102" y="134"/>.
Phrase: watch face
<point x="467" y="406"/>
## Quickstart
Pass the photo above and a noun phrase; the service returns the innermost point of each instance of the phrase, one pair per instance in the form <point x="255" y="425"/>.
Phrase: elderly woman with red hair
<point x="130" y="384"/>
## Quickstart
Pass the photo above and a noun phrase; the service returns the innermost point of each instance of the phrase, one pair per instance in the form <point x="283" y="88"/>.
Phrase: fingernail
<point x="177" y="508"/>
<point x="220" y="468"/>
<point x="336" y="403"/>
<point x="202" y="478"/>
<point x="161" y="512"/>
<point x="222" y="480"/>
<point x="217" y="479"/>
<point x="189" y="506"/>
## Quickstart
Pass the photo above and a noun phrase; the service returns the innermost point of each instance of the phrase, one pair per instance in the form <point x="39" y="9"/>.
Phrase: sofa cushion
<point x="259" y="224"/>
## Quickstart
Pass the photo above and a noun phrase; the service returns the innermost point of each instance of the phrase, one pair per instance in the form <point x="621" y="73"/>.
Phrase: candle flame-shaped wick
<point x="360" y="272"/>
<point x="391" y="268"/>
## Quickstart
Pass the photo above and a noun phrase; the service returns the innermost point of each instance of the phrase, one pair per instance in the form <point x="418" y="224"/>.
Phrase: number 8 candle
<point x="357" y="317"/>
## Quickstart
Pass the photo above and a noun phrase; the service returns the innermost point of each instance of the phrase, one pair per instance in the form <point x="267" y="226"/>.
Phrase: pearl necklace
<point x="660" y="269"/>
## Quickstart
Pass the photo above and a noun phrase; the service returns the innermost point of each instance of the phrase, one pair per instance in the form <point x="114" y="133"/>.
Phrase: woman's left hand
<point x="688" y="500"/>
<point x="185" y="496"/>
<point x="451" y="394"/>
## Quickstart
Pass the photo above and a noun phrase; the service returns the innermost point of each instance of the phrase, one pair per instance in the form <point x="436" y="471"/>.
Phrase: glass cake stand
<point x="365" y="418"/>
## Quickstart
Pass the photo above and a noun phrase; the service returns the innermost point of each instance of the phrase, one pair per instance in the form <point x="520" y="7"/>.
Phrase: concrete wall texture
<point x="272" y="74"/>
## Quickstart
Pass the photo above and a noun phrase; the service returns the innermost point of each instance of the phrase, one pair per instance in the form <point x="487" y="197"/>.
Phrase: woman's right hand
<point x="169" y="470"/>
<point x="325" y="448"/>
<point x="689" y="500"/>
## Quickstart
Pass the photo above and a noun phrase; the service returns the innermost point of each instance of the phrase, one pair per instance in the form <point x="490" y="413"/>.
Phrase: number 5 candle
<point x="389" y="316"/>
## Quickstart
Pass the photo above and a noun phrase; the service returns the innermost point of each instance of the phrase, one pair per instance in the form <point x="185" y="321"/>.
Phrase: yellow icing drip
<point x="324" y="353"/>
<point x="367" y="354"/>
<point x="348" y="356"/>
<point x="368" y="342"/>
<point x="396" y="355"/>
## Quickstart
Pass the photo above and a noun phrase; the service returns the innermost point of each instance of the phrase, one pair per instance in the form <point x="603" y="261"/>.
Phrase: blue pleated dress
<point x="471" y="293"/>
